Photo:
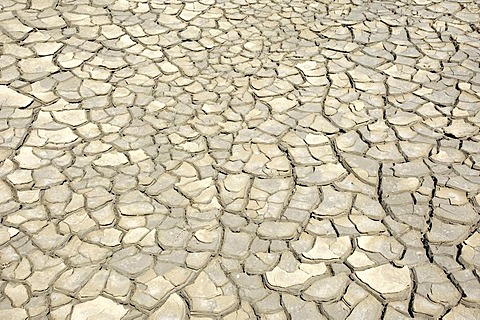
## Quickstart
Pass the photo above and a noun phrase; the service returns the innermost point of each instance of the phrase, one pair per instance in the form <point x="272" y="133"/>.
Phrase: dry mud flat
<point x="239" y="159"/>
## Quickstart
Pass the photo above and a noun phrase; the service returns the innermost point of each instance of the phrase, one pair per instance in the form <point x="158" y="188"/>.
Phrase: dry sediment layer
<point x="239" y="159"/>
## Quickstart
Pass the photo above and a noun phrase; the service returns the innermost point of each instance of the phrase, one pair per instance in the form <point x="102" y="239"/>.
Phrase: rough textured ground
<point x="239" y="159"/>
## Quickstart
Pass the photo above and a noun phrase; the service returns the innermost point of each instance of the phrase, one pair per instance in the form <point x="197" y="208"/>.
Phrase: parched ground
<point x="239" y="159"/>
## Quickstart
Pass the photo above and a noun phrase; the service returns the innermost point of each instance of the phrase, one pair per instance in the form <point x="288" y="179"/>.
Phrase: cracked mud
<point x="239" y="159"/>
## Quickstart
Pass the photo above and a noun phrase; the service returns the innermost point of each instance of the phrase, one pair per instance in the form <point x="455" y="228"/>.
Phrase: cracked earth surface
<point x="239" y="159"/>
